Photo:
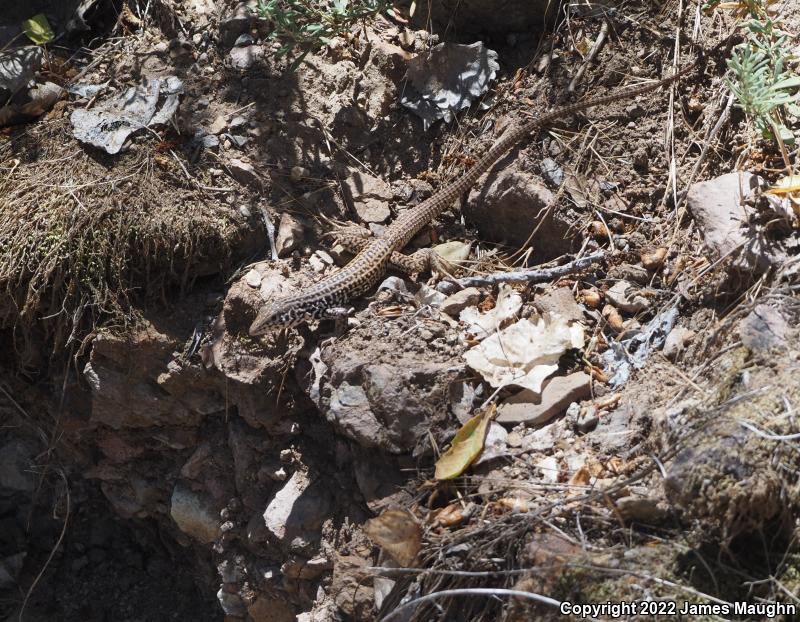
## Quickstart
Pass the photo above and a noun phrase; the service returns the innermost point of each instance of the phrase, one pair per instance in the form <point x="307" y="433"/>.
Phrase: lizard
<point x="377" y="254"/>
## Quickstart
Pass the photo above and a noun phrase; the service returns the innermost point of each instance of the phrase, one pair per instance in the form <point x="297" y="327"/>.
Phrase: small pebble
<point x="654" y="260"/>
<point x="298" y="172"/>
<point x="253" y="278"/>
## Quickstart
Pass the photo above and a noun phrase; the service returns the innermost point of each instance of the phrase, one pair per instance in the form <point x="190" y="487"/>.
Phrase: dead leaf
<point x="513" y="504"/>
<point x="398" y="533"/>
<point x="449" y="516"/>
<point x="526" y="353"/>
<point x="481" y="324"/>
<point x="581" y="477"/>
<point x="467" y="446"/>
<point x="615" y="466"/>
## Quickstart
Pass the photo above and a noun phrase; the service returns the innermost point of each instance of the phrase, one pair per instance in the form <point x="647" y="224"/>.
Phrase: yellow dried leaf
<point x="398" y="533"/>
<point x="786" y="185"/>
<point x="467" y="446"/>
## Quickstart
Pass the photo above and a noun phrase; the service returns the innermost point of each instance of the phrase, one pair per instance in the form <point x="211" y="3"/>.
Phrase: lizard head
<point x="271" y="317"/>
<point x="282" y="313"/>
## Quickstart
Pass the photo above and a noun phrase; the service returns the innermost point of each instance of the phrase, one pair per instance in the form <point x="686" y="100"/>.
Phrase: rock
<point x="324" y="257"/>
<point x="317" y="265"/>
<point x="514" y="439"/>
<point x="653" y="260"/>
<point x="461" y="397"/>
<point x="557" y="393"/>
<point x="266" y="609"/>
<point x="716" y="206"/>
<point x="626" y="297"/>
<point x="245" y="57"/>
<point x="243" y="18"/>
<point x="16" y="462"/>
<point x="353" y="592"/>
<point x="549" y="469"/>
<point x="298" y="568"/>
<point x="253" y="278"/>
<point x="369" y="196"/>
<point x="243" y="172"/>
<point x="243" y="40"/>
<point x="455" y="304"/>
<point x="541" y="440"/>
<point x="231" y="603"/>
<point x="193" y="514"/>
<point x="504" y="206"/>
<point x="676" y="341"/>
<point x="764" y="328"/>
<point x="125" y="393"/>
<point x="297" y="509"/>
<point x="218" y="125"/>
<point x="495" y="444"/>
<point x="615" y="430"/>
<point x="642" y="509"/>
<point x="384" y="405"/>
<point x="297" y="173"/>
<point x="290" y="234"/>
<point x="561" y="302"/>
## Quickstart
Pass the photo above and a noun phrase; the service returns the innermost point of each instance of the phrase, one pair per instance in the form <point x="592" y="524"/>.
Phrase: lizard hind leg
<point x="423" y="260"/>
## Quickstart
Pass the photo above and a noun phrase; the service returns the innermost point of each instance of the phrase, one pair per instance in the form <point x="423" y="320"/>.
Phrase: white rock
<point x="253" y="278"/>
<point x="549" y="468"/>
<point x="676" y="341"/>
<point x="218" y="124"/>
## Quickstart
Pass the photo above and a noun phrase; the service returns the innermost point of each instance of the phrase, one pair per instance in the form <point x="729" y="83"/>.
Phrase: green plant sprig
<point x="305" y="26"/>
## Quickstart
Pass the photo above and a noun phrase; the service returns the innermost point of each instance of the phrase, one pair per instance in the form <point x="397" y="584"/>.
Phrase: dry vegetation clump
<point x="83" y="236"/>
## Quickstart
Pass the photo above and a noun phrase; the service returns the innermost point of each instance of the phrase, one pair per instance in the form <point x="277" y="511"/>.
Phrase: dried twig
<point x="539" y="275"/>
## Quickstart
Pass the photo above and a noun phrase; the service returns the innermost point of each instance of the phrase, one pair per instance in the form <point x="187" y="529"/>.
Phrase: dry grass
<point x="84" y="235"/>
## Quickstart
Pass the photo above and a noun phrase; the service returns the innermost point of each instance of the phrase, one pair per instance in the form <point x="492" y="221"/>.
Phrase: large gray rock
<point x="718" y="209"/>
<point x="507" y="206"/>
<point x="385" y="405"/>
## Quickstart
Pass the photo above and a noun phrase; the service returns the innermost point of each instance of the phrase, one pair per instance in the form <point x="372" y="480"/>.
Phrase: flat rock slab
<point x="557" y="393"/>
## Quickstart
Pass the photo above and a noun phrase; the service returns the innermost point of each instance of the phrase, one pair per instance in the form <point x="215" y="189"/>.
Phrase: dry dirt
<point x="159" y="463"/>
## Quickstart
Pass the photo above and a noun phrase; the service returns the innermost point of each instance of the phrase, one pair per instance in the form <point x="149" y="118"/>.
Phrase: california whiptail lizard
<point x="370" y="264"/>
